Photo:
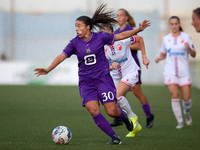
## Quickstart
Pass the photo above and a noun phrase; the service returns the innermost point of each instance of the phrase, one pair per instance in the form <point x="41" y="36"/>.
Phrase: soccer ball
<point x="61" y="135"/>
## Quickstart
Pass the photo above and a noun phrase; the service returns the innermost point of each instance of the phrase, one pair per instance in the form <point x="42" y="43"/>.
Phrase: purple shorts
<point x="102" y="89"/>
<point x="134" y="54"/>
<point x="139" y="77"/>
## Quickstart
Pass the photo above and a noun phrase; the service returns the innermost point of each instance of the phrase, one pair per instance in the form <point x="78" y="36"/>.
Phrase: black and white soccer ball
<point x="61" y="135"/>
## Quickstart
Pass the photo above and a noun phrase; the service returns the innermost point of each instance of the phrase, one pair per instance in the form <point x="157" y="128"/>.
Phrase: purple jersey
<point x="134" y="53"/>
<point x="91" y="56"/>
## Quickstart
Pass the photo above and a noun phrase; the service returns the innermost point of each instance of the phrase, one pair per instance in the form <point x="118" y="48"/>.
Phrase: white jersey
<point x="121" y="53"/>
<point x="177" y="59"/>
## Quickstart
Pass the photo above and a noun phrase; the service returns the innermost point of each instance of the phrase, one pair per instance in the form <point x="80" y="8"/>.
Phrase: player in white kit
<point x="176" y="48"/>
<point x="124" y="70"/>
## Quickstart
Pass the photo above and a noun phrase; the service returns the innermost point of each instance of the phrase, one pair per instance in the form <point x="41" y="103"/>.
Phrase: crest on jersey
<point x="88" y="50"/>
<point x="119" y="47"/>
<point x="182" y="40"/>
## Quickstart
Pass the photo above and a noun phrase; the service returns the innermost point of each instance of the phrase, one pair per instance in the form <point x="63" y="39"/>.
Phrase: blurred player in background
<point x="95" y="82"/>
<point x="124" y="70"/>
<point x="176" y="48"/>
<point x="196" y="19"/>
<point x="126" y="22"/>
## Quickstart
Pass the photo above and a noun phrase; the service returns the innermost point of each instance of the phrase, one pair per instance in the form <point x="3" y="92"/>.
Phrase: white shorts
<point x="180" y="81"/>
<point x="129" y="79"/>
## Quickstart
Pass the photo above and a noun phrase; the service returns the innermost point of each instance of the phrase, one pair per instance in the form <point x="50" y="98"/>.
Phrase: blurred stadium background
<point x="34" y="32"/>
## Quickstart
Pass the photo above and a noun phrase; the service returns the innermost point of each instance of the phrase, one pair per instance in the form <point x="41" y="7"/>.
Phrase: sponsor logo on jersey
<point x="119" y="47"/>
<point x="175" y="53"/>
<point x="123" y="60"/>
<point x="106" y="50"/>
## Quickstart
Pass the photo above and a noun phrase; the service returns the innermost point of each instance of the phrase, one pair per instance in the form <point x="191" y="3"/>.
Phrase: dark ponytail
<point x="102" y="16"/>
<point x="176" y="17"/>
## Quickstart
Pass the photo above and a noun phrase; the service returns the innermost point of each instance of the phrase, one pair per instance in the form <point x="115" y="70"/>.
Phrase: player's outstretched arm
<point x="56" y="62"/>
<point x="130" y="33"/>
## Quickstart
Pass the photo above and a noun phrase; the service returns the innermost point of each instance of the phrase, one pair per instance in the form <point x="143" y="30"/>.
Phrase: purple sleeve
<point x="108" y="38"/>
<point x="69" y="49"/>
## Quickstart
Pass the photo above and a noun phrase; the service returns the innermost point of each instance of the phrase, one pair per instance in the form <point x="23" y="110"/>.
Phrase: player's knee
<point x="175" y="95"/>
<point x="112" y="113"/>
<point x="94" y="111"/>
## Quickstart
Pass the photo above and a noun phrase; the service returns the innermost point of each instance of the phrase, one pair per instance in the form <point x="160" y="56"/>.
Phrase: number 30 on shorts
<point x="107" y="96"/>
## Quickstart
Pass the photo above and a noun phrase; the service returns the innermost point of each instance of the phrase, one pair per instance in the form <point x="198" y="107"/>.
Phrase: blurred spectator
<point x="3" y="57"/>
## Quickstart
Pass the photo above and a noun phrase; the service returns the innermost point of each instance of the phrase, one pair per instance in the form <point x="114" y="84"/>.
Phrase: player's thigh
<point x="111" y="109"/>
<point x="137" y="89"/>
<point x="93" y="107"/>
<point x="185" y="92"/>
<point x="122" y="88"/>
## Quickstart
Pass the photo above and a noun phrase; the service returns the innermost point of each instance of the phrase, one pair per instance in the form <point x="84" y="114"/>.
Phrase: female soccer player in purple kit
<point x="95" y="81"/>
<point x="123" y="17"/>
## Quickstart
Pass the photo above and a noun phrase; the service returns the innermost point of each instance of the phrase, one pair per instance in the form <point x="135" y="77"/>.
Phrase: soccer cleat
<point x="132" y="133"/>
<point x="134" y="120"/>
<point x="150" y="121"/>
<point x="188" y="119"/>
<point x="115" y="141"/>
<point x="180" y="125"/>
<point x="116" y="122"/>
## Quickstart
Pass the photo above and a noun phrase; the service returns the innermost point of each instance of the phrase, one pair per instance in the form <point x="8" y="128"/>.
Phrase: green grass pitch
<point x="28" y="114"/>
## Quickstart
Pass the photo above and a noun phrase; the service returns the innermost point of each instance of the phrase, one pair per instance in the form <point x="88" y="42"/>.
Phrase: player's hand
<point x="187" y="45"/>
<point x="115" y="65"/>
<point x="146" y="61"/>
<point x="144" y="24"/>
<point x="157" y="59"/>
<point x="40" y="71"/>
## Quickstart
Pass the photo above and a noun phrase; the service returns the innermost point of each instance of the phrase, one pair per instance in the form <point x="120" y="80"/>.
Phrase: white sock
<point x="187" y="106"/>
<point x="176" y="108"/>
<point x="124" y="104"/>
